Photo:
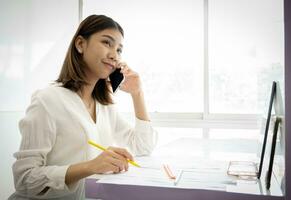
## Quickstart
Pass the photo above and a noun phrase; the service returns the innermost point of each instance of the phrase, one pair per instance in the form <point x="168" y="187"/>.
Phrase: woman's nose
<point x="113" y="55"/>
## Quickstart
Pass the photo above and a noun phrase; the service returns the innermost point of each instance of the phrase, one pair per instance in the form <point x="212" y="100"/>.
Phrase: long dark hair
<point x="72" y="75"/>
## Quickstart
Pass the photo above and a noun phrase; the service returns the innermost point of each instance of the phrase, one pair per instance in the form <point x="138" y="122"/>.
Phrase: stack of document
<point x="151" y="173"/>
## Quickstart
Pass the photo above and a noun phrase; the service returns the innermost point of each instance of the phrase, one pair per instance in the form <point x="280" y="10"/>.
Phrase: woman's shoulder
<point x="52" y="90"/>
<point x="51" y="95"/>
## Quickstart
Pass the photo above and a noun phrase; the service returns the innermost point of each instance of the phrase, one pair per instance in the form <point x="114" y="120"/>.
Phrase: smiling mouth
<point x="108" y="65"/>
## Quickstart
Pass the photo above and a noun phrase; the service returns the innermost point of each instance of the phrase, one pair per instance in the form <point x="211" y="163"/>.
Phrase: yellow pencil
<point x="104" y="149"/>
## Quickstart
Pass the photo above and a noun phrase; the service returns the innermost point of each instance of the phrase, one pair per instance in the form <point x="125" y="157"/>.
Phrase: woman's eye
<point x="106" y="42"/>
<point x="119" y="51"/>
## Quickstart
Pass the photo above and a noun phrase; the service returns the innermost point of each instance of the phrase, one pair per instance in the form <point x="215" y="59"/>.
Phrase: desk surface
<point x="213" y="181"/>
<point x="104" y="191"/>
<point x="232" y="191"/>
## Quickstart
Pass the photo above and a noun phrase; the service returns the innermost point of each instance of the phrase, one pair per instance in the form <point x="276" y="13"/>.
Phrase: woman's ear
<point x="79" y="44"/>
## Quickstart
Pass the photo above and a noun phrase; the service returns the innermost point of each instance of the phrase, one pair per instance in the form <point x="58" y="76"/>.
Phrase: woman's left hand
<point x="131" y="83"/>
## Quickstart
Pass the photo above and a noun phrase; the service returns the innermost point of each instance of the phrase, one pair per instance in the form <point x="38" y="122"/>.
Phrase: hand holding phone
<point x="116" y="79"/>
<point x="130" y="80"/>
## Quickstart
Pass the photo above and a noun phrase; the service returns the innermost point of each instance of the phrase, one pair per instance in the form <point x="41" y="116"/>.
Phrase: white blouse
<point x="55" y="131"/>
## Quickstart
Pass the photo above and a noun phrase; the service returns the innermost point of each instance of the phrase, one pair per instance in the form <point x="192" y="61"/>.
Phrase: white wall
<point x="10" y="140"/>
<point x="33" y="41"/>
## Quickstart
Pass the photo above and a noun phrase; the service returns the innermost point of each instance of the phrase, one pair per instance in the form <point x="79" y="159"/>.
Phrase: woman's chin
<point x="104" y="76"/>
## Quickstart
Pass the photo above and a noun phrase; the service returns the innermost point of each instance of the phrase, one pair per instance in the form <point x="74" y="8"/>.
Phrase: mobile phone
<point x="116" y="78"/>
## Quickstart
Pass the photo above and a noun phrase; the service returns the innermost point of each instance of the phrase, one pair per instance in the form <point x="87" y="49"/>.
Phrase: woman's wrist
<point x="139" y="106"/>
<point x="137" y="94"/>
<point x="87" y="167"/>
<point x="78" y="171"/>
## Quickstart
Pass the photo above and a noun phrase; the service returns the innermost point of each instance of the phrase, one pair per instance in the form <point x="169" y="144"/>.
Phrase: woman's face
<point x="102" y="53"/>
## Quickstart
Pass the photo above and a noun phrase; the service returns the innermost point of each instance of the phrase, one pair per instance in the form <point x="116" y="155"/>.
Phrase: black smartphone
<point x="116" y="78"/>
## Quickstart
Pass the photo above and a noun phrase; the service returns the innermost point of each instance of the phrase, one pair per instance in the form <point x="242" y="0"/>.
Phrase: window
<point x="165" y="45"/>
<point x="201" y="56"/>
<point x="197" y="58"/>
<point x="246" y="47"/>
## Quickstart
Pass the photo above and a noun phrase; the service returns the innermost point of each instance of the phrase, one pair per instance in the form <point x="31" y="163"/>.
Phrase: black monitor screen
<point x="272" y="97"/>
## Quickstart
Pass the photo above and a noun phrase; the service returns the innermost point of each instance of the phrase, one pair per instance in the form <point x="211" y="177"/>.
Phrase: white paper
<point x="195" y="175"/>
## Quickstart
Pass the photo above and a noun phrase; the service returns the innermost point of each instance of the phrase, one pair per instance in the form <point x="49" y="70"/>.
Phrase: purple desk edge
<point x="103" y="191"/>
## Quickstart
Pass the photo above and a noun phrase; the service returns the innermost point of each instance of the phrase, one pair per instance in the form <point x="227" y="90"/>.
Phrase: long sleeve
<point x="32" y="177"/>
<point x="141" y="139"/>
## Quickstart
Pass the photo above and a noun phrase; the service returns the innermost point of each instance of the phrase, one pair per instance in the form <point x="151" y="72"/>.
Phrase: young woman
<point x="54" y="155"/>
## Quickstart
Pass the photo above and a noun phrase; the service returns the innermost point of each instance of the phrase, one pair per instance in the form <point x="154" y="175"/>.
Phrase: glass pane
<point x="34" y="38"/>
<point x="177" y="141"/>
<point x="235" y="144"/>
<point x="246" y="53"/>
<point x="164" y="44"/>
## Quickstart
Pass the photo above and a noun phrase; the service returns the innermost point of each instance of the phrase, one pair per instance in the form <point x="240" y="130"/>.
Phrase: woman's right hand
<point x="114" y="159"/>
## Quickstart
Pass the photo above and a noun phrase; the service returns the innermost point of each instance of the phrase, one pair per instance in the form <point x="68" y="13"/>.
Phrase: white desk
<point x="208" y="176"/>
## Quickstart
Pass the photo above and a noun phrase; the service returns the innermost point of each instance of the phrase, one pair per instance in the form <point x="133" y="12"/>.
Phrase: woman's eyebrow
<point x="111" y="38"/>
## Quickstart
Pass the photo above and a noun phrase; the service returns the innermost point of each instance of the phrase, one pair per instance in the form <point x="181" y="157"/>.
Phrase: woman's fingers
<point x="121" y="151"/>
<point x="131" y="83"/>
<point x="113" y="159"/>
<point x="112" y="168"/>
<point x="120" y="155"/>
<point x="120" y="164"/>
<point x="126" y="71"/>
<point x="124" y="68"/>
<point x="121" y="65"/>
<point x="116" y="155"/>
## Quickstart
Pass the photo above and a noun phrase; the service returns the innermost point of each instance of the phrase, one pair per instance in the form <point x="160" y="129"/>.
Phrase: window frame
<point x="203" y="119"/>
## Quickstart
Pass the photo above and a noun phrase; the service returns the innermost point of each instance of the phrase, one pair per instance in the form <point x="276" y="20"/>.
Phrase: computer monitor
<point x="251" y="169"/>
<point x="276" y="154"/>
<point x="280" y="112"/>
<point x="266" y="130"/>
